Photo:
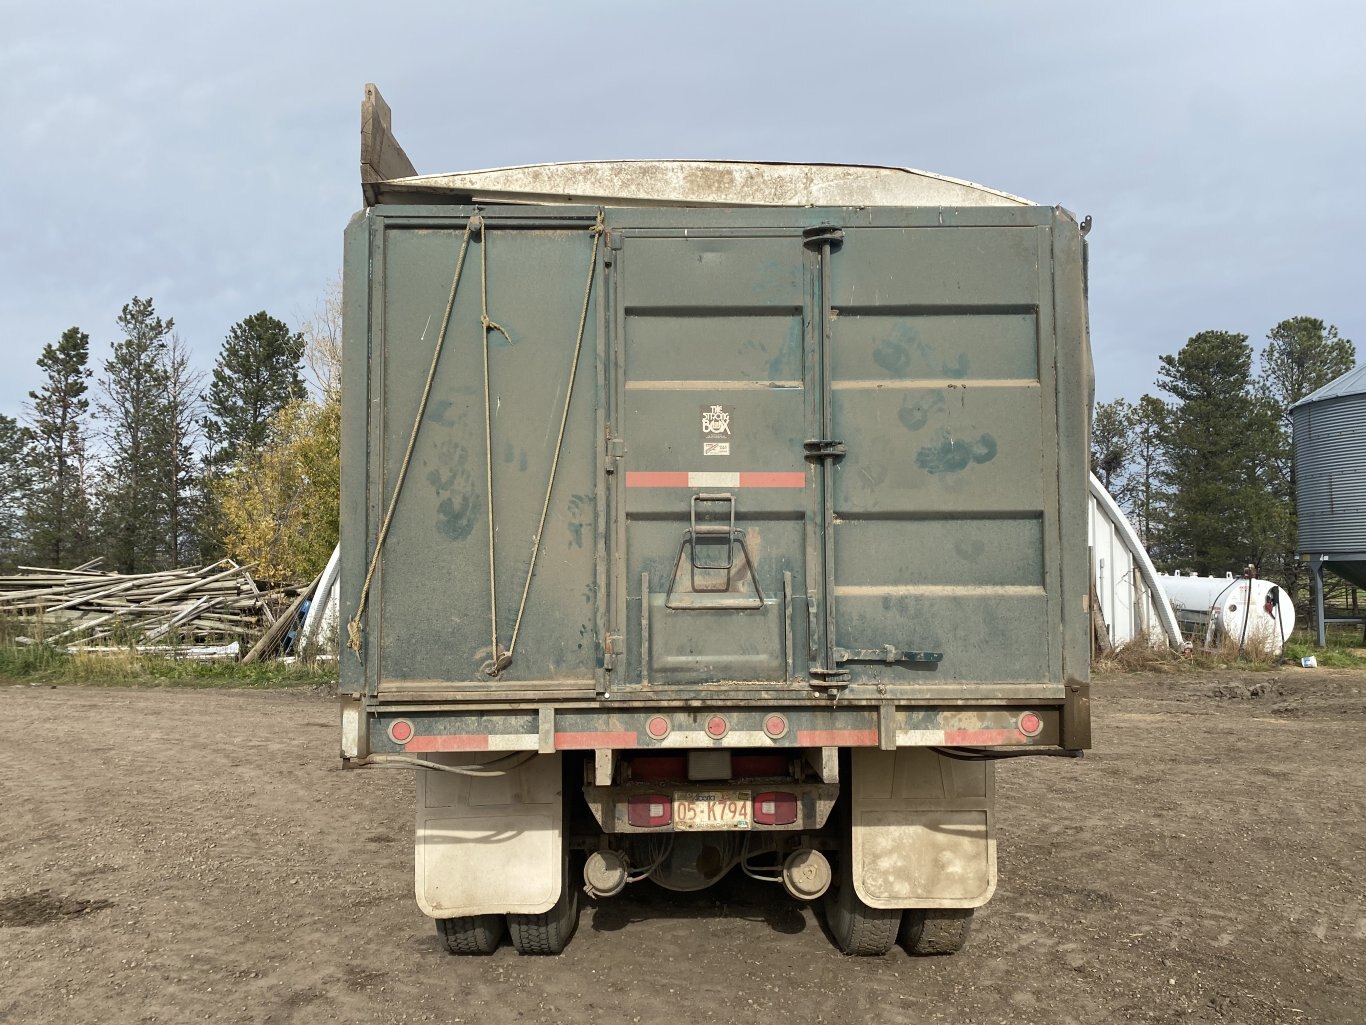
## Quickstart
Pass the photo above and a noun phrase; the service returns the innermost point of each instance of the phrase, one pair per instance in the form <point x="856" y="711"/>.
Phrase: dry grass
<point x="1343" y="652"/>
<point x="42" y="663"/>
<point x="1143" y="657"/>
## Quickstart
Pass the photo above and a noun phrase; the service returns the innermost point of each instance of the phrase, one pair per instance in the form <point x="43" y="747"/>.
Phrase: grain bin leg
<point x="923" y="833"/>
<point x="1316" y="572"/>
<point x="489" y="845"/>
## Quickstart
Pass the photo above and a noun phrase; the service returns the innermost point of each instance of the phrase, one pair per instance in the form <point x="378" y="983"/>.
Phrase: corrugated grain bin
<point x="1330" y="467"/>
<point x="1330" y="484"/>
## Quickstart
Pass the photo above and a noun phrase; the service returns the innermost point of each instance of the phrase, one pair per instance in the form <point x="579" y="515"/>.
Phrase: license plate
<point x="713" y="810"/>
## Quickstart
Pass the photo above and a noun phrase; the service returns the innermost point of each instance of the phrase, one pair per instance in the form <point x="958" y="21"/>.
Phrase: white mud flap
<point x="923" y="830"/>
<point x="489" y="844"/>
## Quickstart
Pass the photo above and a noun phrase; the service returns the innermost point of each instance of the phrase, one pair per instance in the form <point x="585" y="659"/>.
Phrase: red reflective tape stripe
<point x="955" y="738"/>
<point x="708" y="478"/>
<point x="837" y="738"/>
<point x="581" y="741"/>
<point x="656" y="479"/>
<point x="448" y="742"/>
<point x="766" y="479"/>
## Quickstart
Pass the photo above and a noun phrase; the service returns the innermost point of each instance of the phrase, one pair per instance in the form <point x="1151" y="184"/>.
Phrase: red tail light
<point x="775" y="808"/>
<point x="649" y="810"/>
<point x="750" y="766"/>
<point x="653" y="768"/>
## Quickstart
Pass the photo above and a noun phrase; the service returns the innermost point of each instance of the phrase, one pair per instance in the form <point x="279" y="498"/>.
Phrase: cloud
<point x="207" y="156"/>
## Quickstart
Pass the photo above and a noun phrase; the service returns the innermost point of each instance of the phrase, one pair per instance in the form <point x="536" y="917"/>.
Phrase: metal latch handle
<point x="716" y="534"/>
<point x="724" y="531"/>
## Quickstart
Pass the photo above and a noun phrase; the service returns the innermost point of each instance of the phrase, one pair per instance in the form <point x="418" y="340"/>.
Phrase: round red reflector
<point x="775" y="726"/>
<point x="657" y="727"/>
<point x="1030" y="724"/>
<point x="717" y="727"/>
<point x="401" y="731"/>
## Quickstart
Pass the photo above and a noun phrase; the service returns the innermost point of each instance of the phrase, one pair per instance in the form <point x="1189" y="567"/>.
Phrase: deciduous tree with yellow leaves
<point x="279" y="505"/>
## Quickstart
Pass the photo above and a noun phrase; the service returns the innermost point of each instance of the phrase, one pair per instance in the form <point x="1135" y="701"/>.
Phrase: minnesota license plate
<point x="714" y="810"/>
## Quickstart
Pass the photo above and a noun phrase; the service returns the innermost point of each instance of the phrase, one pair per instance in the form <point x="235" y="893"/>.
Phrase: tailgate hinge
<point x="616" y="450"/>
<point x="822" y="235"/>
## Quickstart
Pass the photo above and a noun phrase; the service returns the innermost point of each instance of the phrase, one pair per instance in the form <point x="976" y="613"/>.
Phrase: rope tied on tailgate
<point x="353" y="630"/>
<point x="502" y="658"/>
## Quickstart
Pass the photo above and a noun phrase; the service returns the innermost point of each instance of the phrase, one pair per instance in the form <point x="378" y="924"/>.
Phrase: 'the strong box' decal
<point x="717" y="424"/>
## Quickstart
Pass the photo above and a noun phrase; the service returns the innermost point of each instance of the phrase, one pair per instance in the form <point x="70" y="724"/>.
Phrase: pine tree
<point x="57" y="512"/>
<point x="14" y="486"/>
<point x="134" y="409"/>
<point x="1220" y="433"/>
<point x="1112" y="446"/>
<point x="1301" y="356"/>
<point x="1147" y="492"/>
<point x="257" y="374"/>
<point x="179" y="431"/>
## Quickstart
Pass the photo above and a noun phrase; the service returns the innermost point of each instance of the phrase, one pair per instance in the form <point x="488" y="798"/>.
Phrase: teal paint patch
<point x="580" y="511"/>
<point x="456" y="512"/>
<point x="438" y="412"/>
<point x="953" y="456"/>
<point x="915" y="415"/>
<point x="958" y="370"/>
<point x="788" y="357"/>
<point x="455" y="521"/>
<point x="441" y="481"/>
<point x="904" y="350"/>
<point x="894" y="356"/>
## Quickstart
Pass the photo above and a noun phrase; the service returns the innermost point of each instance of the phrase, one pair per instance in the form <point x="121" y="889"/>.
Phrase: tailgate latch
<point x="824" y="448"/>
<point x="887" y="653"/>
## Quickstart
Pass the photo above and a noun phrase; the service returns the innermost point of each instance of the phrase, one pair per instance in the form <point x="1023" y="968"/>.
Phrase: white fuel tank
<point x="1254" y="615"/>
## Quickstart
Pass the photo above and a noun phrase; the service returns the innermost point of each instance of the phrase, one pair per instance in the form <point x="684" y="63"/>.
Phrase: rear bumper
<point x="412" y="730"/>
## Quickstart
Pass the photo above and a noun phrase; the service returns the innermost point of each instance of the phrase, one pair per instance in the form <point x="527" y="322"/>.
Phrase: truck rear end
<point x="686" y="530"/>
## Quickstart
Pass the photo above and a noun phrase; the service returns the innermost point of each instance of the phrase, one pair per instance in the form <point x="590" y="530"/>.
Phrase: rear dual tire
<point x="473" y="934"/>
<point x="859" y="929"/>
<point x="927" y="932"/>
<point x="549" y="932"/>
<point x="537" y="935"/>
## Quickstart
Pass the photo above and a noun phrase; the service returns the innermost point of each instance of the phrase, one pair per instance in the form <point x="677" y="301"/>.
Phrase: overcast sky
<point x="206" y="155"/>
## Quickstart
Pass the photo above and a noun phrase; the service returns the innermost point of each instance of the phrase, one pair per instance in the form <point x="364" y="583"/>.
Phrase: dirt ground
<point x="173" y="856"/>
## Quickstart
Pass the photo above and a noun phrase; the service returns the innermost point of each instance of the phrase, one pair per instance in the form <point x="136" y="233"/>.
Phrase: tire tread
<point x="932" y="932"/>
<point x="548" y="933"/>
<point x="859" y="930"/>
<point x="471" y="934"/>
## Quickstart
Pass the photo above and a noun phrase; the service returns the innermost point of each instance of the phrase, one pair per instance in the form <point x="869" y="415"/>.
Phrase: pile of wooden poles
<point x="213" y="611"/>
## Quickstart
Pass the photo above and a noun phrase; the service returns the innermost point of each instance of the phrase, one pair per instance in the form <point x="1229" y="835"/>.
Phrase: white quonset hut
<point x="1330" y="483"/>
<point x="1132" y="599"/>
